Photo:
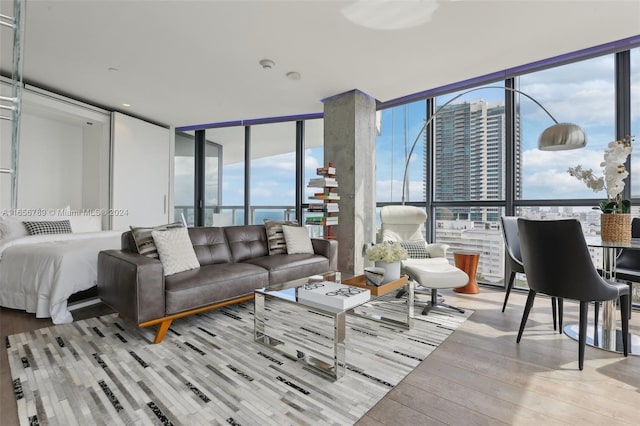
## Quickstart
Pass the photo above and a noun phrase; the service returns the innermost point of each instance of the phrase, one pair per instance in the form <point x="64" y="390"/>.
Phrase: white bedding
<point x="38" y="273"/>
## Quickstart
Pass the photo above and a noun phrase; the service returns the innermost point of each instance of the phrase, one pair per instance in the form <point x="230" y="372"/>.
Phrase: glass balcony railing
<point x="234" y="215"/>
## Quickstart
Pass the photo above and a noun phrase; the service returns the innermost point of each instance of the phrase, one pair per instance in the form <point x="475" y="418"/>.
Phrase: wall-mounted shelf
<point x="323" y="206"/>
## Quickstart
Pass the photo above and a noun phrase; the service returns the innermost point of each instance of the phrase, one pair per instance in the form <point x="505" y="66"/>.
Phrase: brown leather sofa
<point x="234" y="261"/>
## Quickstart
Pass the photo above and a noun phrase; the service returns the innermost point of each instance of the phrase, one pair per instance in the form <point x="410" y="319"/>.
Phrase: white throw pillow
<point x="175" y="250"/>
<point x="298" y="240"/>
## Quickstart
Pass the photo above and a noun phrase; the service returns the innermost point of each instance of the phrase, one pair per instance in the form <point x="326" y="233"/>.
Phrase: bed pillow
<point x="48" y="227"/>
<point x="144" y="241"/>
<point x="297" y="239"/>
<point x="275" y="237"/>
<point x="86" y="223"/>
<point x="415" y="249"/>
<point x="175" y="250"/>
<point x="11" y="227"/>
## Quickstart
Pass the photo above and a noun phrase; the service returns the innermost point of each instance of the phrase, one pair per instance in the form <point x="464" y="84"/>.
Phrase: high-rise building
<point x="470" y="157"/>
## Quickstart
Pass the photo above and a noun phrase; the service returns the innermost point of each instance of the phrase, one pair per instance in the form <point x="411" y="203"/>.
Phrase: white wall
<point x="50" y="173"/>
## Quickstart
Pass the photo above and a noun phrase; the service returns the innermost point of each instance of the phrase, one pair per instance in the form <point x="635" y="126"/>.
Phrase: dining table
<point x="606" y="335"/>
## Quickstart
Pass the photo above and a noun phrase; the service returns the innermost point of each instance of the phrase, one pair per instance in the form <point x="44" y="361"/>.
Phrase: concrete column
<point x="349" y="143"/>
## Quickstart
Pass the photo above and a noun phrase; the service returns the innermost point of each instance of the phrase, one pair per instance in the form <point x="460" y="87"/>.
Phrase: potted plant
<point x="615" y="221"/>
<point x="387" y="255"/>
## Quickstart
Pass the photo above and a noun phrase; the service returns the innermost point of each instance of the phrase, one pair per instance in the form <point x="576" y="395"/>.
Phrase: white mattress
<point x="38" y="273"/>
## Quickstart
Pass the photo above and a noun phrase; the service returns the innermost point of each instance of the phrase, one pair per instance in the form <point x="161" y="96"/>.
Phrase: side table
<point x="468" y="262"/>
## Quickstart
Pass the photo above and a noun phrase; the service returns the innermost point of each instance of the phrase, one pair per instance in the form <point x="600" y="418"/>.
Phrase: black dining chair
<point x="514" y="260"/>
<point x="557" y="261"/>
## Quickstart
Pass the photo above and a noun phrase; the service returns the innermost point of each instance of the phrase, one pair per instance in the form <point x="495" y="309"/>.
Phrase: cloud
<point x="534" y="160"/>
<point x="279" y="162"/>
<point x="545" y="174"/>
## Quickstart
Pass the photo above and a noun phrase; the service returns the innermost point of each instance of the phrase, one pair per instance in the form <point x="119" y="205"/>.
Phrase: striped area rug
<point x="208" y="370"/>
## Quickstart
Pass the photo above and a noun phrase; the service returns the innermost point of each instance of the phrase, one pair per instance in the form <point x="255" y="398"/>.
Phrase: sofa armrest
<point x="437" y="249"/>
<point x="327" y="248"/>
<point x="132" y="284"/>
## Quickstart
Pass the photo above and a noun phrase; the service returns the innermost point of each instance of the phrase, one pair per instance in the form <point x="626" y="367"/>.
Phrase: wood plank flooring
<point x="479" y="375"/>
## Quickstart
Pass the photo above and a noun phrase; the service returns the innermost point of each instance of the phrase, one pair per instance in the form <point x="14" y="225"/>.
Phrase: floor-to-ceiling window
<point x="400" y="128"/>
<point x="230" y="209"/>
<point x="313" y="159"/>
<point x="184" y="177"/>
<point x="211" y="188"/>
<point x="634" y="94"/>
<point x="273" y="172"/>
<point x="469" y="174"/>
<point x="485" y="158"/>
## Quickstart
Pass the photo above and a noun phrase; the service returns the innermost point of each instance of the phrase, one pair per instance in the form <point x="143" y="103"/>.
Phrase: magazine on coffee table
<point x="332" y="296"/>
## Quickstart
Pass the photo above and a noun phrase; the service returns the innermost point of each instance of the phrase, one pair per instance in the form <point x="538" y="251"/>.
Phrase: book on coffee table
<point x="332" y="296"/>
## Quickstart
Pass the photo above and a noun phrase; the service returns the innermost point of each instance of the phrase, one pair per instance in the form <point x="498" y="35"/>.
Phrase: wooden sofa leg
<point x="162" y="330"/>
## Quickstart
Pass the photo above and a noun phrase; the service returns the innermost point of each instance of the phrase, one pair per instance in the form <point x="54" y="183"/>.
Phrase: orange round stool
<point x="468" y="262"/>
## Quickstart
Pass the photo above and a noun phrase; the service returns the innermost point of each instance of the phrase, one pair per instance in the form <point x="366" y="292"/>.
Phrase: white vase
<point x="391" y="271"/>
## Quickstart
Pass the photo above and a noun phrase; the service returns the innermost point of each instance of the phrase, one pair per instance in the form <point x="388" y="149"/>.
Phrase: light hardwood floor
<point x="479" y="375"/>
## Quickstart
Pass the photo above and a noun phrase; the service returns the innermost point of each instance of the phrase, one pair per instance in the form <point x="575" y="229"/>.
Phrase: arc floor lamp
<point x="558" y="137"/>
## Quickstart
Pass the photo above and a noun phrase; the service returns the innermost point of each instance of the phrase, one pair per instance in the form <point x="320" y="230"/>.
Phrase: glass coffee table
<point x="316" y="298"/>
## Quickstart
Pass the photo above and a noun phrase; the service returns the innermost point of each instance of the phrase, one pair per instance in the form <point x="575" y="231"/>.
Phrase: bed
<point x="38" y="273"/>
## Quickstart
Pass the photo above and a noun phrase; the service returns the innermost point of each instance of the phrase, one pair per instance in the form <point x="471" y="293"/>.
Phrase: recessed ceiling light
<point x="126" y="105"/>
<point x="267" y="64"/>
<point x="293" y="75"/>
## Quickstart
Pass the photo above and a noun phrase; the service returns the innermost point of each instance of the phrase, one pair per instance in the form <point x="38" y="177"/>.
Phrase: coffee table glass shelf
<point x="368" y="310"/>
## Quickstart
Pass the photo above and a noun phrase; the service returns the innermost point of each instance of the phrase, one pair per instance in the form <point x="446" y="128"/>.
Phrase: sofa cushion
<point x="175" y="250"/>
<point x="211" y="284"/>
<point x="287" y="267"/>
<point x="210" y="245"/>
<point x="275" y="235"/>
<point x="298" y="240"/>
<point x="246" y="242"/>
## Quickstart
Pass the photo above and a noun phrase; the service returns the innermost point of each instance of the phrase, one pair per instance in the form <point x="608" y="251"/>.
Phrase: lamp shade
<point x="562" y="136"/>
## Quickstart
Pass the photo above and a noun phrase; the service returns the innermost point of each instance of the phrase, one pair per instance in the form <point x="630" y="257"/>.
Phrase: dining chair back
<point x="515" y="265"/>
<point x="557" y="263"/>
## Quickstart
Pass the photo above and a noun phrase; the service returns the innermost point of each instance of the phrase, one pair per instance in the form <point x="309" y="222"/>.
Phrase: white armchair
<point x="429" y="268"/>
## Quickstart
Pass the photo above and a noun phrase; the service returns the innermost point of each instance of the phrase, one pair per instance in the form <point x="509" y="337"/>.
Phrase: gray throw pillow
<point x="275" y="236"/>
<point x="144" y="240"/>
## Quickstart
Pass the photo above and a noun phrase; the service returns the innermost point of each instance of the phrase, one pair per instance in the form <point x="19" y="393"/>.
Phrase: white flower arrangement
<point x="386" y="252"/>
<point x="614" y="174"/>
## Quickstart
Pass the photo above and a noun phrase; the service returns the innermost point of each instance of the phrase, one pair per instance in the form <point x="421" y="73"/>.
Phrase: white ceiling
<point x="190" y="62"/>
